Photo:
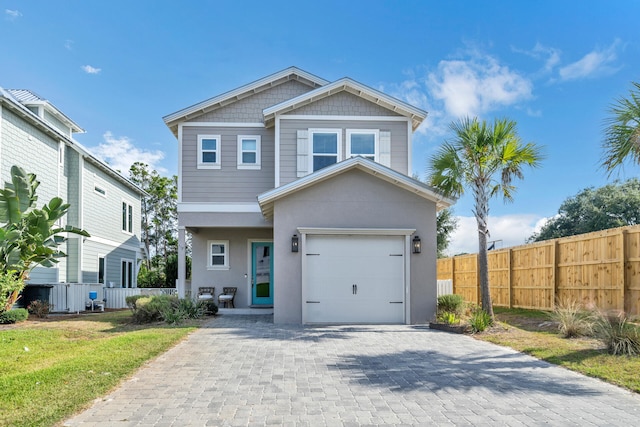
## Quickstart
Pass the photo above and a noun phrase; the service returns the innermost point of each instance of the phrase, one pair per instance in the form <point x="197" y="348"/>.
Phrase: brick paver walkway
<point x="243" y="370"/>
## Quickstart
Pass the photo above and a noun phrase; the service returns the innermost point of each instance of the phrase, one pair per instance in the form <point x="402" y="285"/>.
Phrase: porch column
<point x="182" y="262"/>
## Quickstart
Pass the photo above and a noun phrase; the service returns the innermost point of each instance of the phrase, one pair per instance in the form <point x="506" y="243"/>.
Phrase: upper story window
<point x="363" y="142"/>
<point x="127" y="217"/>
<point x="99" y="190"/>
<point x="218" y="254"/>
<point x="249" y="151"/>
<point x="209" y="151"/>
<point x="325" y="147"/>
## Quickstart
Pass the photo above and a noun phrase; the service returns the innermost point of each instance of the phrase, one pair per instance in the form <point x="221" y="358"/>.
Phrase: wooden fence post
<point x="509" y="274"/>
<point x="554" y="272"/>
<point x="453" y="274"/>
<point x="623" y="262"/>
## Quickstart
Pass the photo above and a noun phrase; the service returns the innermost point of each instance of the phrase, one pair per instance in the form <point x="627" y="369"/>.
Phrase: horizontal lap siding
<point x="113" y="256"/>
<point x="227" y="184"/>
<point x="102" y="215"/>
<point x="289" y="138"/>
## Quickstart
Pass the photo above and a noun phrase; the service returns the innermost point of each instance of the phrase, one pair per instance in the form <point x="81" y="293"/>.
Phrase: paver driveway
<point x="243" y="370"/>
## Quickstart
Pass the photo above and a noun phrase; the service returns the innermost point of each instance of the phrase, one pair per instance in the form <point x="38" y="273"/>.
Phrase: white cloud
<point x="509" y="230"/>
<point x="595" y="63"/>
<point x="68" y="44"/>
<point x="120" y="154"/>
<point x="12" y="14"/>
<point x="477" y="85"/>
<point x="471" y="86"/>
<point x="90" y="70"/>
<point x="550" y="56"/>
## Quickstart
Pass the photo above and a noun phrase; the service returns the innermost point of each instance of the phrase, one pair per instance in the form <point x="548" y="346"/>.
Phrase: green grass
<point x="523" y="330"/>
<point x="50" y="370"/>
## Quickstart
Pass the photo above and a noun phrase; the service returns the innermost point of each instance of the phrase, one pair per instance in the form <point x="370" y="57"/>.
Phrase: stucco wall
<point x="238" y="261"/>
<point x="354" y="199"/>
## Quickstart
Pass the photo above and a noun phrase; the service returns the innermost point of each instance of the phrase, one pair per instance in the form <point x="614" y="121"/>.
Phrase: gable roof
<point x="346" y="84"/>
<point x="291" y="73"/>
<point x="266" y="200"/>
<point x="29" y="97"/>
<point x="7" y="98"/>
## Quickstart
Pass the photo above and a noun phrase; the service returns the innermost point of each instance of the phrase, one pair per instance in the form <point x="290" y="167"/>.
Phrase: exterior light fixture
<point x="417" y="245"/>
<point x="294" y="243"/>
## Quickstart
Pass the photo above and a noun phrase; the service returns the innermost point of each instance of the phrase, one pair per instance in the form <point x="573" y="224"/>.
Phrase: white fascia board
<point x="168" y="119"/>
<point x="345" y="118"/>
<point x="400" y="107"/>
<point x="365" y="165"/>
<point x="224" y="124"/>
<point x="185" y="207"/>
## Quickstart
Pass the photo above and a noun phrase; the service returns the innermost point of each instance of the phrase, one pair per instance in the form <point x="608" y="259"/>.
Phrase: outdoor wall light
<point x="294" y="243"/>
<point x="417" y="245"/>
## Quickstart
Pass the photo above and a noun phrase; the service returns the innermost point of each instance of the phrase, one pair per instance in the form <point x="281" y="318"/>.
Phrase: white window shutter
<point x="303" y="153"/>
<point x="385" y="148"/>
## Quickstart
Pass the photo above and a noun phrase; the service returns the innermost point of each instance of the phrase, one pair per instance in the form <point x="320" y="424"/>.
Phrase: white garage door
<point x="354" y="279"/>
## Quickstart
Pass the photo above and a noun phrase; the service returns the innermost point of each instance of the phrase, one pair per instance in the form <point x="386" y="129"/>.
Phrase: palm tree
<point x="622" y="133"/>
<point x="485" y="158"/>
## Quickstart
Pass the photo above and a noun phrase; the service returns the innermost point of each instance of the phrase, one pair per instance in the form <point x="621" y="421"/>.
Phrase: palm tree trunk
<point x="482" y="215"/>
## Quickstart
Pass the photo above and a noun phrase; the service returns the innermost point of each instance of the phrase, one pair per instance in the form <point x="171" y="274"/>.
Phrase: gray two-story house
<point x="38" y="137"/>
<point x="296" y="191"/>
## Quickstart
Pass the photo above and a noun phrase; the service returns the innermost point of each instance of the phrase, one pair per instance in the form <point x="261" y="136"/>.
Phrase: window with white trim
<point x="218" y="254"/>
<point x="102" y="268"/>
<point x="248" y="151"/>
<point x="99" y="190"/>
<point x="209" y="151"/>
<point x="126" y="273"/>
<point x="363" y="142"/>
<point x="127" y="217"/>
<point x="325" y="147"/>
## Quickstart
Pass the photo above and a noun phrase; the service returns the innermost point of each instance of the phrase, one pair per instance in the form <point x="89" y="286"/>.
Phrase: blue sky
<point x="117" y="67"/>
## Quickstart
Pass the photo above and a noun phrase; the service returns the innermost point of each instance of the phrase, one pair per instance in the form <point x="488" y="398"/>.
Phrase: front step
<point x="247" y="310"/>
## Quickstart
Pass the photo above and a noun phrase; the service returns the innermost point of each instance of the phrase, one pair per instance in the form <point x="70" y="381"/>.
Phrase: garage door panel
<point x="355" y="279"/>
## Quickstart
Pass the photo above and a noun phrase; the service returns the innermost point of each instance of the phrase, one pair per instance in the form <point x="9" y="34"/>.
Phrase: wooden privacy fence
<point x="600" y="269"/>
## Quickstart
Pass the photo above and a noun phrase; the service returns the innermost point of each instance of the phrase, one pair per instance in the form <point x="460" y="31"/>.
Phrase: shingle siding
<point x="227" y="184"/>
<point x="288" y="141"/>
<point x="343" y="104"/>
<point x="249" y="110"/>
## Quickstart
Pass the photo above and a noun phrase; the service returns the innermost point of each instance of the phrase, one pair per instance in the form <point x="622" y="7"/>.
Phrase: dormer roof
<point x="29" y="98"/>
<point x="346" y="84"/>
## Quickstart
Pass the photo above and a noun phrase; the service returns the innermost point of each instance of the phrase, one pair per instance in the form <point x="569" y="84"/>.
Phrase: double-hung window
<point x="363" y="142"/>
<point x="218" y="255"/>
<point x="209" y="151"/>
<point x="325" y="147"/>
<point x="248" y="151"/>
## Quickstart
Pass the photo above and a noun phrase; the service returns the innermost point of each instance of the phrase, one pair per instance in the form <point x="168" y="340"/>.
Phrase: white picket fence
<point x="73" y="297"/>
<point x="445" y="287"/>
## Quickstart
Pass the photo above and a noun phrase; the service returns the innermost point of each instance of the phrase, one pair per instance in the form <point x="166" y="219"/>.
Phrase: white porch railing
<point x="73" y="297"/>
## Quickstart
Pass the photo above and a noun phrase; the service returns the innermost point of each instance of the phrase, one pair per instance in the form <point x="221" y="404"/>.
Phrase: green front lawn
<point x="52" y="369"/>
<point x="528" y="331"/>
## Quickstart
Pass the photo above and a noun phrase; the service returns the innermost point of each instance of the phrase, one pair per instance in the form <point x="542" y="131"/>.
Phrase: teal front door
<point x="262" y="273"/>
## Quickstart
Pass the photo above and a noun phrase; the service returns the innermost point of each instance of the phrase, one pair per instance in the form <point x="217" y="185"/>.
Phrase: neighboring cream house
<point x="296" y="191"/>
<point x="37" y="136"/>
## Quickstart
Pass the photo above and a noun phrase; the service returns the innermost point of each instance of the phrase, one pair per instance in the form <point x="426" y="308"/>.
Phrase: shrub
<point x="618" y="335"/>
<point x="9" y="283"/>
<point x="479" y="320"/>
<point x="40" y="308"/>
<point x="451" y="303"/>
<point x="448" y="317"/>
<point x="573" y="320"/>
<point x="14" y="316"/>
<point x="131" y="301"/>
<point x="153" y="278"/>
<point x="209" y="307"/>
<point x="151" y="309"/>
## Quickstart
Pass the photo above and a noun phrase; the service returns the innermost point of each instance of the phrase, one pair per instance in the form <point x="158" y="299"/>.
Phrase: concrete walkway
<point x="243" y="370"/>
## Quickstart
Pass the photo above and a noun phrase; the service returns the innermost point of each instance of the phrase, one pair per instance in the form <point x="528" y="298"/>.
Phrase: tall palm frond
<point x="622" y="132"/>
